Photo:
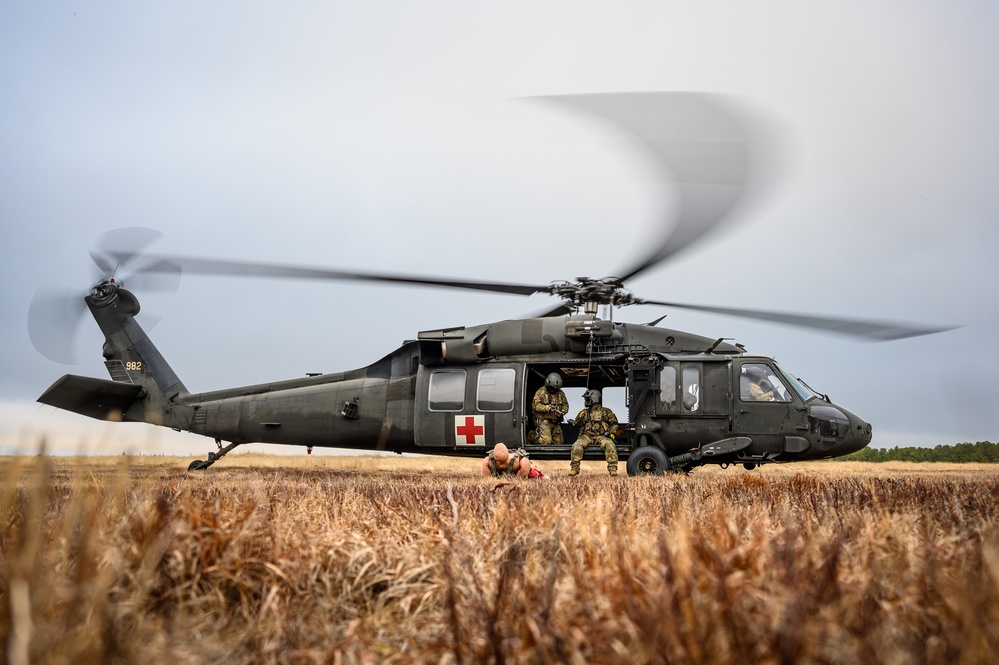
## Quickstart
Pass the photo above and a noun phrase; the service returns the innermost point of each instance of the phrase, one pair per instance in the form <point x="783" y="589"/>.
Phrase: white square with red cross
<point x="470" y="430"/>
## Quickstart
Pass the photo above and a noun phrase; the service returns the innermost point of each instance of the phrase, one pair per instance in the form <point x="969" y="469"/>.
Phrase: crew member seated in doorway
<point x="597" y="424"/>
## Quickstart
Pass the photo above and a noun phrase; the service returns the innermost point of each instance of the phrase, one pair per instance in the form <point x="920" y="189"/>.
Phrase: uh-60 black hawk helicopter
<point x="458" y="391"/>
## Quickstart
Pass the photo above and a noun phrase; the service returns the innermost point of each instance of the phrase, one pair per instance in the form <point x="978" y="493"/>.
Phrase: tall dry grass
<point x="331" y="560"/>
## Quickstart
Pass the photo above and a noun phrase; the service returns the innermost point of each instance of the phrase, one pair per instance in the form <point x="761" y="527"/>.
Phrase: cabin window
<point x="691" y="388"/>
<point x="447" y="390"/>
<point x="759" y="383"/>
<point x="495" y="392"/>
<point x="667" y="385"/>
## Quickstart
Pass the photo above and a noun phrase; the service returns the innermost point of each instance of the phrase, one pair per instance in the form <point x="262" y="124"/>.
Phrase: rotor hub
<point x="590" y="293"/>
<point x="103" y="290"/>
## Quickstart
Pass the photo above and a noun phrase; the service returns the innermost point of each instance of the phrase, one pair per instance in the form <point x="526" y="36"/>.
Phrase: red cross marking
<point x="469" y="430"/>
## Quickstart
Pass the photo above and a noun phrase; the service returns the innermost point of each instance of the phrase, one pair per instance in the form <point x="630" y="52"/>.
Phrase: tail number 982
<point x="133" y="366"/>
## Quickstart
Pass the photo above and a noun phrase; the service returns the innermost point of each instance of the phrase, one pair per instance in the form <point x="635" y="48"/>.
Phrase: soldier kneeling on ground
<point x="500" y="462"/>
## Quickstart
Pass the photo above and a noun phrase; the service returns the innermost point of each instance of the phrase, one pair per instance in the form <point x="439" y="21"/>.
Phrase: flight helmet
<point x="553" y="382"/>
<point x="591" y="397"/>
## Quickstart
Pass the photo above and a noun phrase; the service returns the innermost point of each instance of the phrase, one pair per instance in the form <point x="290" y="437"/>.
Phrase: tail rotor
<point x="54" y="314"/>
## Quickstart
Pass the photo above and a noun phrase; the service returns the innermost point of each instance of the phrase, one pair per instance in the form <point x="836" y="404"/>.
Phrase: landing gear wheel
<point x="647" y="461"/>
<point x="201" y="465"/>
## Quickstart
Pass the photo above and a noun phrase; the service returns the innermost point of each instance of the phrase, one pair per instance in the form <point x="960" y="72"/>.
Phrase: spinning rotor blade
<point x="115" y="249"/>
<point x="880" y="331"/>
<point x="119" y="255"/>
<point x="700" y="143"/>
<point x="54" y="316"/>
<point x="560" y="310"/>
<point x="250" y="269"/>
<point x="705" y="148"/>
<point x="160" y="275"/>
<point x="718" y="155"/>
<point x="697" y="147"/>
<point x="53" y="319"/>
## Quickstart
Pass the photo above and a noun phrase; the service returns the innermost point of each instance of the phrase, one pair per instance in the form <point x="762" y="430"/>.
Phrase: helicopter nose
<point x="840" y="432"/>
<point x="859" y="437"/>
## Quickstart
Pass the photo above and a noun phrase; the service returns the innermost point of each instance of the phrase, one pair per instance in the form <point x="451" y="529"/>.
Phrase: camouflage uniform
<point x="515" y="455"/>
<point x="758" y="394"/>
<point x="597" y="424"/>
<point x="548" y="410"/>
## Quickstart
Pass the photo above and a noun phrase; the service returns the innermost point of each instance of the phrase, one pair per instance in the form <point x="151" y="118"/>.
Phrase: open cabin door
<point x="470" y="408"/>
<point x="609" y="376"/>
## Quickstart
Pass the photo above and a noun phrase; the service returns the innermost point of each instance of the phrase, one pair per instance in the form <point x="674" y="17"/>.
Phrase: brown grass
<point x="361" y="559"/>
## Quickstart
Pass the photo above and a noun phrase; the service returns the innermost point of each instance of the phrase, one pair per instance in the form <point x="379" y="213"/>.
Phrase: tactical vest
<point x="595" y="421"/>
<point x="548" y="399"/>
<point x="515" y="455"/>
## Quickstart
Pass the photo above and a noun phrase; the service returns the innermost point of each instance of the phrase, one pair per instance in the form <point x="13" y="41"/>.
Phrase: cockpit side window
<point x="759" y="383"/>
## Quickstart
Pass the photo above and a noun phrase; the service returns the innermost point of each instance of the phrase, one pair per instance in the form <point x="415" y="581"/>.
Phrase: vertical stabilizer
<point x="132" y="358"/>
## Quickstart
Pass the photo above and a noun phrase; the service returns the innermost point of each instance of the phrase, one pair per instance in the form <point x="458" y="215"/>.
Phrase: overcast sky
<point x="394" y="136"/>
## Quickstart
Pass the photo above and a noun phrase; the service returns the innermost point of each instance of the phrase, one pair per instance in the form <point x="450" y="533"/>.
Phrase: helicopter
<point x="691" y="399"/>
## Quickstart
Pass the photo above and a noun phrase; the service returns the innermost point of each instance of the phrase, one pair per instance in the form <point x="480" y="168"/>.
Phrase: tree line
<point x="982" y="451"/>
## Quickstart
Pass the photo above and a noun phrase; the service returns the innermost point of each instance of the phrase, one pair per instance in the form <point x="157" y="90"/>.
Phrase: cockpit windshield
<point x="799" y="386"/>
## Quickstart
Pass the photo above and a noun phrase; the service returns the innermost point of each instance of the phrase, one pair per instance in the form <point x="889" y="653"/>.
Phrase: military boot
<point x="573" y="472"/>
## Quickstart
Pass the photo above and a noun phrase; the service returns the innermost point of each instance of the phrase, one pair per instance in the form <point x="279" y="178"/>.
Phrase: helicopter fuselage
<point x="460" y="391"/>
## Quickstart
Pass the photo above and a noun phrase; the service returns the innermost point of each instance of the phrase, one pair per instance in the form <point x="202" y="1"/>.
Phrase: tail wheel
<point x="648" y="461"/>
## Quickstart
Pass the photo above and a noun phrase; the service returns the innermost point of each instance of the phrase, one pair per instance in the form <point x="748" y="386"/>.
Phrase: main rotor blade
<point x="700" y="143"/>
<point x="249" y="269"/>
<point x="880" y="331"/>
<point x="557" y="310"/>
<point x="158" y="276"/>
<point x="116" y="248"/>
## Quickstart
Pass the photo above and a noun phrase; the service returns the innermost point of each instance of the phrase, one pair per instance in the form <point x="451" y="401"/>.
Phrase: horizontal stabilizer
<point x="96" y="398"/>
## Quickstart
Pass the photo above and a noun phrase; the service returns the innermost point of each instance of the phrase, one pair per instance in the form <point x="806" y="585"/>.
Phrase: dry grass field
<point x="386" y="559"/>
